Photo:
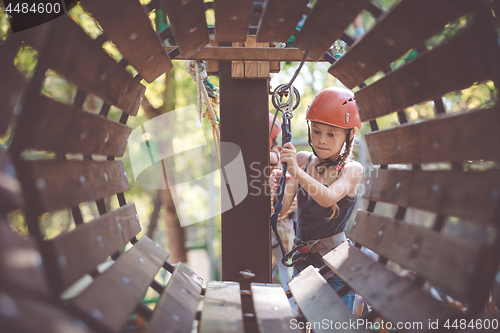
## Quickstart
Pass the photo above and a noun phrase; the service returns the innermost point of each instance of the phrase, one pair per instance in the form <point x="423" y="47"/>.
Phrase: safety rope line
<point x="286" y="128"/>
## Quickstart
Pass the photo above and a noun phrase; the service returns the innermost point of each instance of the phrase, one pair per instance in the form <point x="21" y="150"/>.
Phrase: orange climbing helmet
<point x="335" y="106"/>
<point x="276" y="128"/>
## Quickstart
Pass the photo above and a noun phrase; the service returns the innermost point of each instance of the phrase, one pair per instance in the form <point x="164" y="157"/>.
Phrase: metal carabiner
<point x="293" y="96"/>
<point x="287" y="256"/>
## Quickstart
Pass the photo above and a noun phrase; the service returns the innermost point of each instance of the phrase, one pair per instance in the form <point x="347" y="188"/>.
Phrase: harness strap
<point x="324" y="245"/>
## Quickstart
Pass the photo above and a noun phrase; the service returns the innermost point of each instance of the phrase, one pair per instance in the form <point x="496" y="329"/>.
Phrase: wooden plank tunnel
<point x="79" y="169"/>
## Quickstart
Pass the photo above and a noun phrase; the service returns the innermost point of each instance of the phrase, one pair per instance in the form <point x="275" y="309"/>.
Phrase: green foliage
<point x="26" y="60"/>
<point x="56" y="87"/>
<point x="83" y="18"/>
<point x="4" y="24"/>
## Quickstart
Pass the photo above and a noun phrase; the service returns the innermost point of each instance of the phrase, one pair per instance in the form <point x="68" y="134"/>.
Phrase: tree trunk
<point x="153" y="221"/>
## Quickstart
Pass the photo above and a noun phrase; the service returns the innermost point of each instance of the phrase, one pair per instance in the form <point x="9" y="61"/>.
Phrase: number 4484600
<point x="39" y="8"/>
<point x="473" y="324"/>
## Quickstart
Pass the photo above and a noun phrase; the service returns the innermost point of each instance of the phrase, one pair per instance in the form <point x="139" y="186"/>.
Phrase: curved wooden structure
<point x="36" y="273"/>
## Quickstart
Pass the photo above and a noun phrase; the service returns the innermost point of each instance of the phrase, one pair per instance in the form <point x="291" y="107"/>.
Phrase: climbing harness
<point x="210" y="94"/>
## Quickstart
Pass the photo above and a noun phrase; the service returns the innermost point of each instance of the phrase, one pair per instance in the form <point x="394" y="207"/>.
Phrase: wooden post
<point x="246" y="233"/>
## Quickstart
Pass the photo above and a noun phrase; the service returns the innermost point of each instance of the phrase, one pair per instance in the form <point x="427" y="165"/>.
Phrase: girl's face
<point x="327" y="140"/>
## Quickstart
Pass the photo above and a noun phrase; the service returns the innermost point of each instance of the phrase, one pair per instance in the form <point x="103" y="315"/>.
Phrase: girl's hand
<point x="289" y="155"/>
<point x="275" y="178"/>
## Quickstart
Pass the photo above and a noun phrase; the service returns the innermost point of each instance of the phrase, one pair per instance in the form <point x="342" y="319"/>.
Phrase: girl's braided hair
<point x="344" y="157"/>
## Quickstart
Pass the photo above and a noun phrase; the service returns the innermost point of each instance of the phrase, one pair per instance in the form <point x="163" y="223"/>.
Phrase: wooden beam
<point x="246" y="236"/>
<point x="222" y="53"/>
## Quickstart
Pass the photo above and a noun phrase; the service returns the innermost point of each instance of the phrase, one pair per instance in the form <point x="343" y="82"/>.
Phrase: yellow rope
<point x="215" y="125"/>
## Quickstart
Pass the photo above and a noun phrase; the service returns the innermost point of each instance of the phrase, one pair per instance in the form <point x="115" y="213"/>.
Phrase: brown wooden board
<point x="326" y="23"/>
<point x="238" y="67"/>
<point x="222" y="308"/>
<point x="248" y="218"/>
<point x="447" y="67"/>
<point x="232" y="19"/>
<point x="467" y="195"/>
<point x="256" y="69"/>
<point x="130" y="30"/>
<point x="20" y="262"/>
<point x="279" y="20"/>
<point x="318" y="301"/>
<point x="10" y="188"/>
<point x="12" y="81"/>
<point x="34" y="37"/>
<point x="408" y="25"/>
<point x="394" y="298"/>
<point x="272" y="308"/>
<point x="80" y="251"/>
<point x="274" y="66"/>
<point x="177" y="306"/>
<point x="72" y="130"/>
<point x="83" y="61"/>
<point x="65" y="184"/>
<point x="12" y="84"/>
<point x="454" y="138"/>
<point x="25" y="314"/>
<point x="115" y="293"/>
<point x="188" y="23"/>
<point x="449" y="263"/>
<point x="245" y="54"/>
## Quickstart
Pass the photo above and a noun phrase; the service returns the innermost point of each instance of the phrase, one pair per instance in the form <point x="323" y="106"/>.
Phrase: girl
<point x="325" y="181"/>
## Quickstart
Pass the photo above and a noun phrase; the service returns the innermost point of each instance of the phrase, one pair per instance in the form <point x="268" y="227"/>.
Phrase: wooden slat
<point x="251" y="67"/>
<point x="65" y="184"/>
<point x="454" y="138"/>
<point x="317" y="301"/>
<point x="468" y="195"/>
<point x="130" y="30"/>
<point x="448" y="67"/>
<point x="279" y="20"/>
<point x="12" y="83"/>
<point x="114" y="294"/>
<point x="238" y="67"/>
<point x="84" y="62"/>
<point x="34" y="37"/>
<point x="20" y="263"/>
<point x="222" y="308"/>
<point x="394" y="298"/>
<point x="188" y="24"/>
<point x="326" y="23"/>
<point x="245" y="54"/>
<point x="256" y="69"/>
<point x="408" y="25"/>
<point x="10" y="188"/>
<point x="80" y="251"/>
<point x="272" y="308"/>
<point x="274" y="66"/>
<point x="24" y="314"/>
<point x="72" y="130"/>
<point x="232" y="19"/>
<point x="446" y="262"/>
<point x="177" y="306"/>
